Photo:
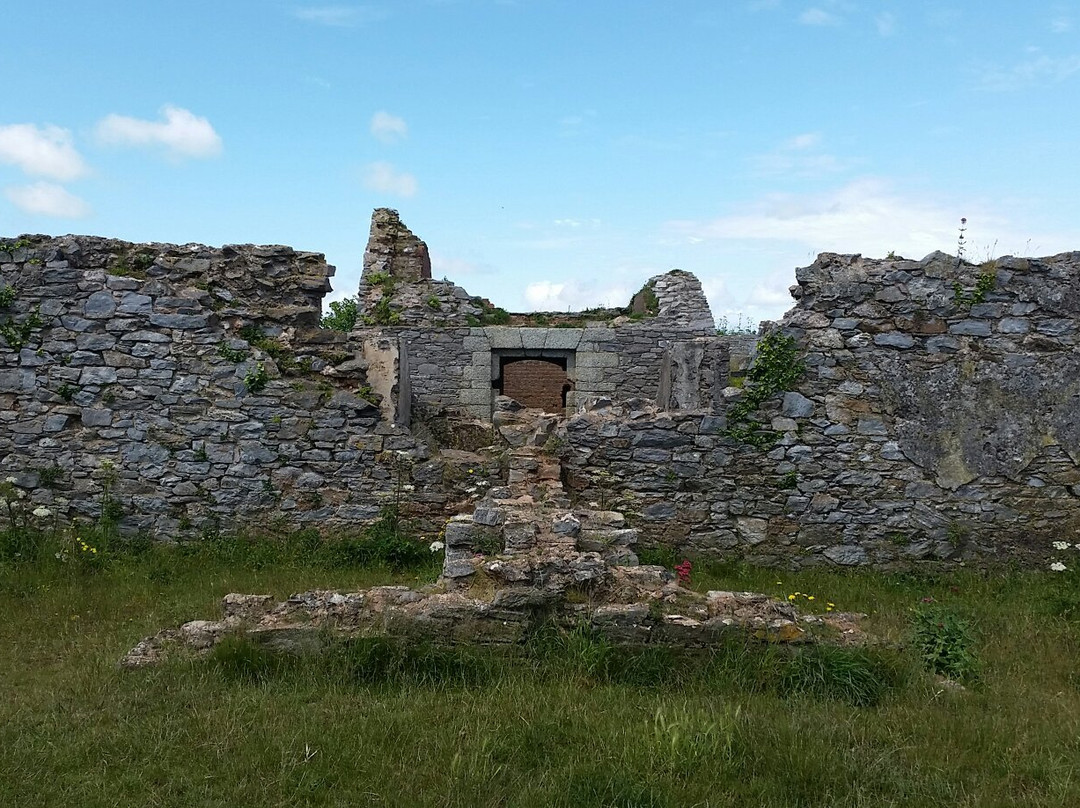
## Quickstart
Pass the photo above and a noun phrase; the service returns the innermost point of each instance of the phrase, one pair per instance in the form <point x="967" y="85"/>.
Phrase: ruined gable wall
<point x="939" y="417"/>
<point x="132" y="356"/>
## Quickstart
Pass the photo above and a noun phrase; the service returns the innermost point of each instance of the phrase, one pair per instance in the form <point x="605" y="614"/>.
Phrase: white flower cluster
<point x="436" y="546"/>
<point x="1059" y="566"/>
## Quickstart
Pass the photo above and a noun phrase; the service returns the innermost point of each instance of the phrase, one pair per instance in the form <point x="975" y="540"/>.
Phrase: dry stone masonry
<point x="930" y="409"/>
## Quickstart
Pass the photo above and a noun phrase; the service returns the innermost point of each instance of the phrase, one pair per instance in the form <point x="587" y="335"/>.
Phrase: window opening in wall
<point x="540" y="382"/>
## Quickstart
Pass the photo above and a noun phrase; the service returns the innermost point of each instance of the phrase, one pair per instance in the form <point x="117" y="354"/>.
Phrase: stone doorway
<point x="535" y="382"/>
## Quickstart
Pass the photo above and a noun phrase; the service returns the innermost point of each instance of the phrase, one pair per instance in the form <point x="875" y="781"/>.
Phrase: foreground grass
<point x="559" y="728"/>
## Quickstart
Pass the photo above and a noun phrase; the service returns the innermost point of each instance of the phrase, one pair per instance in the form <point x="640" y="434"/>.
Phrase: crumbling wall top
<point x="394" y="250"/>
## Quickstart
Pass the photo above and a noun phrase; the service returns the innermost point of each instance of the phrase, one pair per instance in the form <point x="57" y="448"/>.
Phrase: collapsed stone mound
<point x="524" y="557"/>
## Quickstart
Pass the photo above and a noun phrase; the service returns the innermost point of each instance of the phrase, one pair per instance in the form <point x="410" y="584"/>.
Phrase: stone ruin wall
<point x="134" y="358"/>
<point x="935" y="421"/>
<point x="939" y="417"/>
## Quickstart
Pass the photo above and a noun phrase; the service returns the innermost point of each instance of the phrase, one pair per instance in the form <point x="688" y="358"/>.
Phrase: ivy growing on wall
<point x="777" y="366"/>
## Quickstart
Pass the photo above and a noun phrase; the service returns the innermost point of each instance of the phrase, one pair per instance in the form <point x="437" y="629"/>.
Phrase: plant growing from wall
<point x="231" y="354"/>
<point x="256" y="378"/>
<point x="7" y="295"/>
<point x="984" y="285"/>
<point x="647" y="303"/>
<point x="342" y="316"/>
<point x="494" y="315"/>
<point x="17" y="334"/>
<point x="776" y="368"/>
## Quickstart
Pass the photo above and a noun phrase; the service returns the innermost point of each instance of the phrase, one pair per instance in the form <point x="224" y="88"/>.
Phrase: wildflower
<point x="10" y="480"/>
<point x="19" y="493"/>
<point x="683" y="571"/>
<point x="809" y="597"/>
<point x="1057" y="566"/>
<point x="408" y="488"/>
<point x="435" y="546"/>
<point x="41" y="512"/>
<point x="1061" y="545"/>
<point x="791" y="597"/>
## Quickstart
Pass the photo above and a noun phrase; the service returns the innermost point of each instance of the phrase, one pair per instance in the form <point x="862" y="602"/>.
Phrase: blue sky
<point x="552" y="153"/>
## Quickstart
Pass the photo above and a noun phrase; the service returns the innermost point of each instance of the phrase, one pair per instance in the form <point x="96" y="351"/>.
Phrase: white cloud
<point x="388" y="128"/>
<point x="1061" y="25"/>
<point x="1040" y="69"/>
<point x="798" y="156"/>
<point x="816" y="16"/>
<point x="886" y="23"/>
<point x="181" y="133"/>
<point x="383" y="177"/>
<point x="574" y="295"/>
<point x="339" y="16"/>
<point x="804" y="141"/>
<point x="46" y="151"/>
<point x="864" y="216"/>
<point x="47" y="199"/>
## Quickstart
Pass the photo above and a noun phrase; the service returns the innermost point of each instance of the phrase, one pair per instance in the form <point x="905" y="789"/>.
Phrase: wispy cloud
<point x="863" y="216"/>
<point x="388" y="128"/>
<point x="886" y="23"/>
<point x="339" y="16"/>
<point x="46" y="151"/>
<point x="817" y="16"/>
<point x="1061" y="25"/>
<point x="386" y="179"/>
<point x="1040" y="68"/>
<point x="47" y="199"/>
<point x="799" y="156"/>
<point x="181" y="133"/>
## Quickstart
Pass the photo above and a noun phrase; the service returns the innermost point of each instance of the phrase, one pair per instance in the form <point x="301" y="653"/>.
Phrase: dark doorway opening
<point x="535" y="382"/>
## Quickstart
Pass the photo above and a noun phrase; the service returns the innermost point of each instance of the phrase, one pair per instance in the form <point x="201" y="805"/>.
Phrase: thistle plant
<point x="961" y="242"/>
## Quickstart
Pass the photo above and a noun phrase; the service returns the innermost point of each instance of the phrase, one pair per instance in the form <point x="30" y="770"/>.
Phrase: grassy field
<point x="568" y="722"/>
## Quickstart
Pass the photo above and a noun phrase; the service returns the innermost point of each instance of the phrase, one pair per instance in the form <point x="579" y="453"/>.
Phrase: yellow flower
<point x="809" y="597"/>
<point x="791" y="597"/>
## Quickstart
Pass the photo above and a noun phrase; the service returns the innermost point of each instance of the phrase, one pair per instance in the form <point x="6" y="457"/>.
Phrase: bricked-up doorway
<point x="535" y="382"/>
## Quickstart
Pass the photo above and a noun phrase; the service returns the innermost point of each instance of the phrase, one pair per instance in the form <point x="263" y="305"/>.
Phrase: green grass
<point x="567" y="720"/>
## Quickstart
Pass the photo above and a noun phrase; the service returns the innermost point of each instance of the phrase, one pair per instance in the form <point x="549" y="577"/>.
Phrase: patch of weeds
<point x="776" y="368"/>
<point x="7" y="295"/>
<point x="256" y="379"/>
<point x="434" y="303"/>
<point x="67" y="391"/>
<point x="850" y="675"/>
<point x="17" y="334"/>
<point x="788" y="481"/>
<point x="645" y="303"/>
<point x="343" y="315"/>
<point x="241" y="659"/>
<point x="488" y="542"/>
<point x="494" y="315"/>
<point x="945" y="642"/>
<point x="724" y="327"/>
<point x="231" y="354"/>
<point x="126" y="267"/>
<point x="957" y="534"/>
<point x="658" y="556"/>
<point x="50" y="475"/>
